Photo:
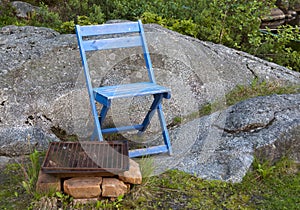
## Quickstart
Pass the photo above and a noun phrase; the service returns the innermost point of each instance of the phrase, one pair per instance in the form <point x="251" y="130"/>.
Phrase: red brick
<point x="83" y="187"/>
<point x="112" y="187"/>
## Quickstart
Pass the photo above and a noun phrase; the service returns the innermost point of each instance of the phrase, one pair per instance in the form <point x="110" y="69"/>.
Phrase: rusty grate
<point x="84" y="157"/>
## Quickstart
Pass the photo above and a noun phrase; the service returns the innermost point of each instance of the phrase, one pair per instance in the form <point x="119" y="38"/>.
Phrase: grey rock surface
<point x="23" y="9"/>
<point x="226" y="142"/>
<point x="29" y="84"/>
<point x="4" y="161"/>
<point x="42" y="84"/>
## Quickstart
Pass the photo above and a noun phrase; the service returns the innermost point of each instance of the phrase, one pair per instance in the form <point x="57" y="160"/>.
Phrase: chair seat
<point x="130" y="90"/>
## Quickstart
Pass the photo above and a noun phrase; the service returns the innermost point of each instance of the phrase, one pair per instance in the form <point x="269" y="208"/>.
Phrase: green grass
<point x="176" y="189"/>
<point x="18" y="182"/>
<point x="259" y="88"/>
<point x="266" y="186"/>
<point x="12" y="194"/>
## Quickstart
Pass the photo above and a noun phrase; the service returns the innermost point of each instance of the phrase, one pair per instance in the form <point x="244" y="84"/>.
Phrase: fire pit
<point x="86" y="157"/>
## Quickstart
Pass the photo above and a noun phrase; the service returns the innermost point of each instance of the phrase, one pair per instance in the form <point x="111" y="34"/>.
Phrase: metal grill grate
<point x="84" y="157"/>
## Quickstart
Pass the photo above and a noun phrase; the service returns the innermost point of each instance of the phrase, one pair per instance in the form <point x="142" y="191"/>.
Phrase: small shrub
<point x="259" y="88"/>
<point x="44" y="17"/>
<point x="186" y="27"/>
<point x="31" y="172"/>
<point x="7" y="14"/>
<point x="281" y="48"/>
<point x="263" y="170"/>
<point x="230" y="22"/>
<point x="148" y="17"/>
<point x="67" y="27"/>
<point x="96" y="15"/>
<point x="129" y="10"/>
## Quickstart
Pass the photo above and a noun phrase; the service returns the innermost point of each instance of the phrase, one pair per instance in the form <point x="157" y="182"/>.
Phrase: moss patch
<point x="12" y="194"/>
<point x="63" y="135"/>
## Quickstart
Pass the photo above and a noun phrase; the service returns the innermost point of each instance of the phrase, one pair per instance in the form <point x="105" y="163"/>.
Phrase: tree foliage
<point x="234" y="23"/>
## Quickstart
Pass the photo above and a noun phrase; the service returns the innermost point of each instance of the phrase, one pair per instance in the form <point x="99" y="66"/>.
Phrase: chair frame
<point x="104" y="95"/>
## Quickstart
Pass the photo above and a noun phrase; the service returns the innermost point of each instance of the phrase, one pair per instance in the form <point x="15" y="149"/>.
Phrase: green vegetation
<point x="234" y="23"/>
<point x="282" y="48"/>
<point x="266" y="186"/>
<point x="259" y="88"/>
<point x="255" y="89"/>
<point x="18" y="182"/>
<point x="31" y="172"/>
<point x="240" y="93"/>
<point x="12" y="194"/>
<point x="279" y="190"/>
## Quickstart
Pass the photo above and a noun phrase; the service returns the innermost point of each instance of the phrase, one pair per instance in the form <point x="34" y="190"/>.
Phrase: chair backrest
<point x="122" y="35"/>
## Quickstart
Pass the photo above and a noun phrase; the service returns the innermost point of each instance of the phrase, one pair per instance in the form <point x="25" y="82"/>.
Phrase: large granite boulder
<point x="223" y="145"/>
<point x="42" y="85"/>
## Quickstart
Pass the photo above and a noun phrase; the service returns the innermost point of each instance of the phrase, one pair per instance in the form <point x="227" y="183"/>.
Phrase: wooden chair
<point x="122" y="35"/>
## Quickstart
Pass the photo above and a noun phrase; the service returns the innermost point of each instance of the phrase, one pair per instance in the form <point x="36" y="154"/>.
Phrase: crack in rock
<point x="251" y="70"/>
<point x="251" y="128"/>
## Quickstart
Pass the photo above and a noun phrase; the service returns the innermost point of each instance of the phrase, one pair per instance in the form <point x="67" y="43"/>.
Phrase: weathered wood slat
<point x="121" y="129"/>
<point x="149" y="151"/>
<point x="113" y="43"/>
<point x="129" y="90"/>
<point x="94" y="30"/>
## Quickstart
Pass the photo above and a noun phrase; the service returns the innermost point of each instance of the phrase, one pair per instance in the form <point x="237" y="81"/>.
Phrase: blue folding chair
<point x="122" y="35"/>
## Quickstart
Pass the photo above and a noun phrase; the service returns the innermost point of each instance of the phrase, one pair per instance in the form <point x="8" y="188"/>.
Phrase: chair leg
<point x="157" y="100"/>
<point x="97" y="128"/>
<point x="103" y="114"/>
<point x="156" y="105"/>
<point x="165" y="132"/>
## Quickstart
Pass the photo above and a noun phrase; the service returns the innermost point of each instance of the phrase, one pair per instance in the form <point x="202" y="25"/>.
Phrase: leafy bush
<point x="74" y="8"/>
<point x="45" y="17"/>
<point x="186" y="27"/>
<point x="7" y="14"/>
<point x="128" y="9"/>
<point x="69" y="26"/>
<point x="234" y="23"/>
<point x="281" y="48"/>
<point x="148" y="17"/>
<point x="231" y="22"/>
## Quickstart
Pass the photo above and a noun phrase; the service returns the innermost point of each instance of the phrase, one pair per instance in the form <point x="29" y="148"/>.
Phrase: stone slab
<point x="83" y="187"/>
<point x="112" y="187"/>
<point x="133" y="175"/>
<point x="47" y="183"/>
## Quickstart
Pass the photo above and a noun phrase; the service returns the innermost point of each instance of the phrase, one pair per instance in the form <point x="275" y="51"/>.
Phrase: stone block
<point x="83" y="187"/>
<point x="112" y="187"/>
<point x="133" y="175"/>
<point x="47" y="183"/>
